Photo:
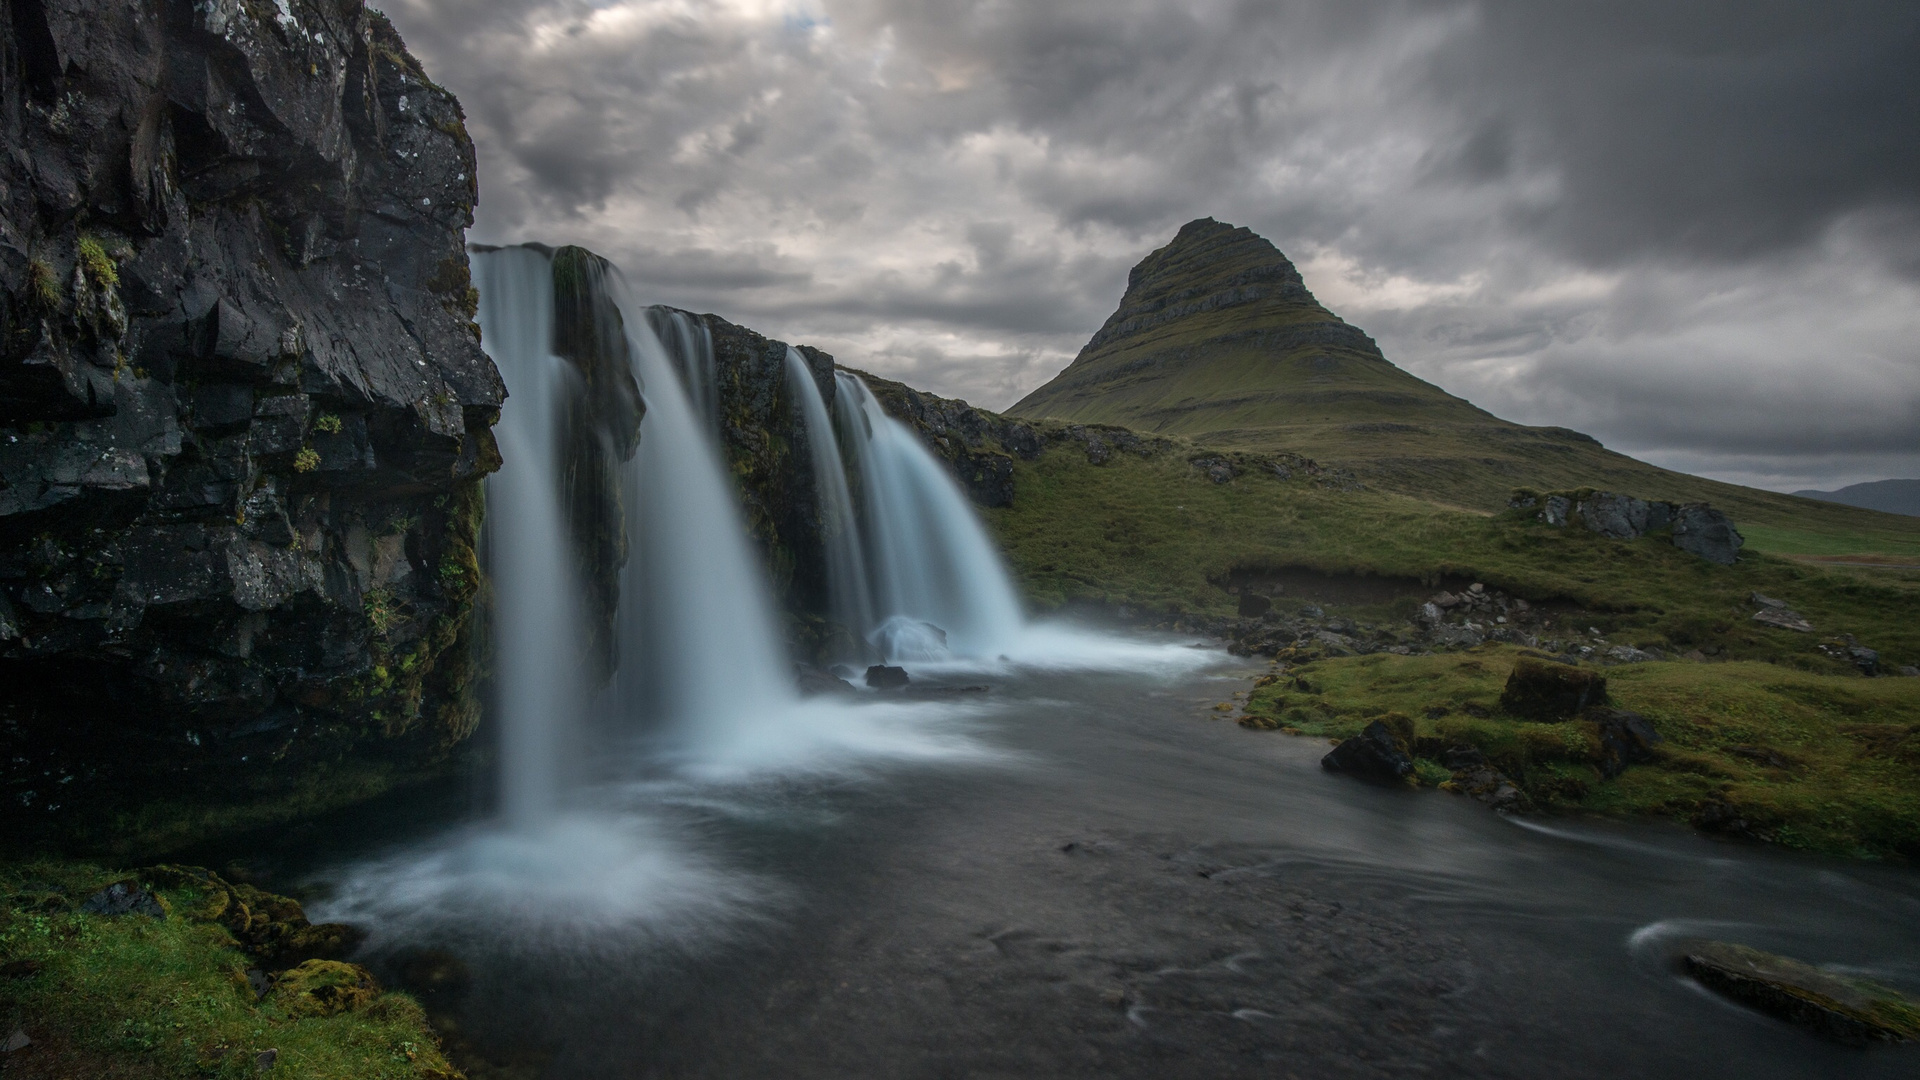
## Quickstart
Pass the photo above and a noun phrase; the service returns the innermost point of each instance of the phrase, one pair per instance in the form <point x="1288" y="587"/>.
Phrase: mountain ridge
<point x="1886" y="496"/>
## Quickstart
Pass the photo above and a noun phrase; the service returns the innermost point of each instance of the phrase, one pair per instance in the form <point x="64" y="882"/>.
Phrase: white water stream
<point x="702" y="709"/>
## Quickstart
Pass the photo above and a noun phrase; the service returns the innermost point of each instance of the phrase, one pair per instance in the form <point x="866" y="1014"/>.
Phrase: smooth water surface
<point x="1090" y="873"/>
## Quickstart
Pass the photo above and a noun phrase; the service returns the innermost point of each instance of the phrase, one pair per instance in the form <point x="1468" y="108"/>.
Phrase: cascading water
<point x="698" y="642"/>
<point x="689" y="344"/>
<point x="535" y="619"/>
<point x="852" y="597"/>
<point x="933" y="568"/>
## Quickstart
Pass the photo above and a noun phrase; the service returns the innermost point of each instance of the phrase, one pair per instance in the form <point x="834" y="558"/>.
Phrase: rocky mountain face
<point x="243" y="407"/>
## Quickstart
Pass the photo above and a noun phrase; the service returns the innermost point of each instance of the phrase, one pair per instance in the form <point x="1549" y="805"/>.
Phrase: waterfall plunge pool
<point x="1086" y="873"/>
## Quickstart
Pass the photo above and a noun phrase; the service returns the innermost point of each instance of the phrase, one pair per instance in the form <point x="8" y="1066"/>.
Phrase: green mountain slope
<point x="1218" y="339"/>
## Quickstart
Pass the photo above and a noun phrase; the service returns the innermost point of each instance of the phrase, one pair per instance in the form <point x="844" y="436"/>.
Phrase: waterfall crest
<point x="536" y="614"/>
<point x="938" y="583"/>
<point x="850" y="595"/>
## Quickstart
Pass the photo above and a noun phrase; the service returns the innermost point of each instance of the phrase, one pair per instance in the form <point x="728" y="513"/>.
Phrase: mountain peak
<point x="1207" y="266"/>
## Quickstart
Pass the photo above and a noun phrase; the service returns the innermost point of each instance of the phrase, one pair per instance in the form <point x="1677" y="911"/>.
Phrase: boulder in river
<point x="1377" y="753"/>
<point x="1840" y="1007"/>
<point x="1550" y="691"/>
<point x="883" y="677"/>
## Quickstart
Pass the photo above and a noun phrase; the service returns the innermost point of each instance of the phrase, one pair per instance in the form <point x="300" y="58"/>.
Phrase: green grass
<point x="1823" y="762"/>
<point x="1156" y="533"/>
<point x="135" y="996"/>
<point x="1780" y="540"/>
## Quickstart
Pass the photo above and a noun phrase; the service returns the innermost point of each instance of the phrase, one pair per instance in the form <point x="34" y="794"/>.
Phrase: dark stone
<point x="1625" y="738"/>
<point x="1253" y="605"/>
<point x="813" y="681"/>
<point x="1374" y="754"/>
<point x="883" y="677"/>
<point x="124" y="898"/>
<point x="1549" y="691"/>
<point x="242" y="404"/>
<point x="1842" y="1008"/>
<point x="1867" y="660"/>
<point x="1706" y="532"/>
<point x="1463" y="758"/>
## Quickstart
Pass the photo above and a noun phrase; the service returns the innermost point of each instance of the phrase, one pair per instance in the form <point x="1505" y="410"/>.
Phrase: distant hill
<point x="1218" y="338"/>
<point x="1890" y="496"/>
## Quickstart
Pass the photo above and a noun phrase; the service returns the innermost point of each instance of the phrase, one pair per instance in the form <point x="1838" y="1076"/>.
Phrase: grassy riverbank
<point x="1820" y="762"/>
<point x="140" y="997"/>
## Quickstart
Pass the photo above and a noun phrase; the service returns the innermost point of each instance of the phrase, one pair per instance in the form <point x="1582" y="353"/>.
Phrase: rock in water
<point x="1847" y="1009"/>
<point x="1376" y="754"/>
<point x="1549" y="691"/>
<point x="882" y="677"/>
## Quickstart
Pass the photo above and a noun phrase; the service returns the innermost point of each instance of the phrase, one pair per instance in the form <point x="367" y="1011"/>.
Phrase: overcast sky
<point x="1689" y="229"/>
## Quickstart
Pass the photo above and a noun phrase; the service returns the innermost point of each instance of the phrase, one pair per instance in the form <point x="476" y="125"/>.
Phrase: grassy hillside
<point x="1153" y="530"/>
<point x="1218" y="339"/>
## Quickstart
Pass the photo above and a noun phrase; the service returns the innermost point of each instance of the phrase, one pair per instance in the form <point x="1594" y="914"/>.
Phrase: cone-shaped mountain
<point x="1219" y="339"/>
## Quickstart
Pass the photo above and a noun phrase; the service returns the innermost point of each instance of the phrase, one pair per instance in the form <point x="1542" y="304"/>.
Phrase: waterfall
<point x="536" y="594"/>
<point x="699" y="648"/>
<point x="937" y="580"/>
<point x="852" y="597"/>
<point x="689" y="345"/>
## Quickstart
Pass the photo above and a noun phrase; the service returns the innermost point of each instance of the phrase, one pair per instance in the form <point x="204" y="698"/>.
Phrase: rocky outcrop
<point x="1550" y="691"/>
<point x="1692" y="527"/>
<point x="243" y="407"/>
<point x="1378" y="753"/>
<point x="1846" y="1009"/>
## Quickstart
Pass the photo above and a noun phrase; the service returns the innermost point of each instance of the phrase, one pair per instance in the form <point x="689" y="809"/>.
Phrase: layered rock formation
<point x="243" y="407"/>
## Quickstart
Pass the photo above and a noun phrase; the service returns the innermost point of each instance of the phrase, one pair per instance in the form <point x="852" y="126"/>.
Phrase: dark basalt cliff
<point x="243" y="409"/>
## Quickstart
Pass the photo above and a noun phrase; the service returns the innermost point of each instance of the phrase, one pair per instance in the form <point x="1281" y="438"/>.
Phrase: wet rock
<point x="1377" y="753"/>
<point x="1625" y="738"/>
<point x="1783" y="619"/>
<point x="1843" y="1008"/>
<point x="124" y="898"/>
<point x="1549" y="691"/>
<point x="1492" y="787"/>
<point x="883" y="677"/>
<point x="324" y="988"/>
<point x="814" y="681"/>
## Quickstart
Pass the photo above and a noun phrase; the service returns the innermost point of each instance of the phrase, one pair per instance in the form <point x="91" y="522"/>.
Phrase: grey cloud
<point x="953" y="191"/>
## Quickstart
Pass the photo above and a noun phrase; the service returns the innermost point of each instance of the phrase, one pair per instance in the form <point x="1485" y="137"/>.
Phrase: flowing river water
<point x="1089" y="873"/>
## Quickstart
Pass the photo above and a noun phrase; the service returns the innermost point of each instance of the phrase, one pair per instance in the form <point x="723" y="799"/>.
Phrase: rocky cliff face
<point x="243" y="407"/>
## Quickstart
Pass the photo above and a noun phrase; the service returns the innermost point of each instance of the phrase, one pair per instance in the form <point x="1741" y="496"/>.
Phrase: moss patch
<point x="1822" y="762"/>
<point x="135" y="996"/>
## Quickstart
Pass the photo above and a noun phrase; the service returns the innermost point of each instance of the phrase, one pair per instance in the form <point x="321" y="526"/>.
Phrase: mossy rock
<point x="324" y="988"/>
<point x="1551" y="691"/>
<point x="1839" y="1007"/>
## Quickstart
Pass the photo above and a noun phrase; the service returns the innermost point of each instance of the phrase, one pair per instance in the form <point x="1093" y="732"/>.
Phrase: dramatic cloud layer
<point x="1691" y="229"/>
